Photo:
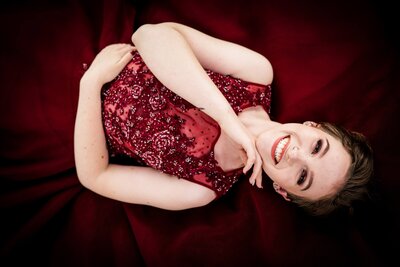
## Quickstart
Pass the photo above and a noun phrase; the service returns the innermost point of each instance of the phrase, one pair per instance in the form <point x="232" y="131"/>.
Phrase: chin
<point x="263" y="147"/>
<point x="267" y="166"/>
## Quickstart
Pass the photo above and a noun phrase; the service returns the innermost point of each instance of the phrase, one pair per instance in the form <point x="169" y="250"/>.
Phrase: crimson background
<point x="333" y="60"/>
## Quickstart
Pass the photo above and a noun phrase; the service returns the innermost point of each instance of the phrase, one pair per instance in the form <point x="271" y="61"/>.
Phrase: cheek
<point x="263" y="146"/>
<point x="274" y="174"/>
<point x="283" y="177"/>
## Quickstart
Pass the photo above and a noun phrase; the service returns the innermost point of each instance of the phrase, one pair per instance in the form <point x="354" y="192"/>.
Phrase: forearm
<point x="131" y="184"/>
<point x="91" y="155"/>
<point x="144" y="185"/>
<point x="171" y="59"/>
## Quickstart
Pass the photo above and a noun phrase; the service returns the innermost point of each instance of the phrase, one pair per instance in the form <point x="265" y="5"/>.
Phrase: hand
<point x="109" y="62"/>
<point x="241" y="137"/>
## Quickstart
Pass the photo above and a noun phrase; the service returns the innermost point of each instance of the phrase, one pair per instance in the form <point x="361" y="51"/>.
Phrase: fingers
<point x="253" y="160"/>
<point x="259" y="181"/>
<point x="125" y="59"/>
<point x="258" y="167"/>
<point x="256" y="176"/>
<point x="249" y="163"/>
<point x="259" y="178"/>
<point x="251" y="157"/>
<point x="127" y="55"/>
<point x="124" y="49"/>
<point x="119" y="48"/>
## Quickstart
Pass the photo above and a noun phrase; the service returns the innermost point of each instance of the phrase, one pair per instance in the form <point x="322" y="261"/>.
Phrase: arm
<point x="132" y="184"/>
<point x="177" y="56"/>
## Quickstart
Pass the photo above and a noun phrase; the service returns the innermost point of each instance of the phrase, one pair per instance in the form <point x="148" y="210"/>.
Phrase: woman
<point x="201" y="114"/>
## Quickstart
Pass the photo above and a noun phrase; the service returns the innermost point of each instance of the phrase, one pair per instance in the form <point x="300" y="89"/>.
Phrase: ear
<point x="311" y="123"/>
<point x="281" y="191"/>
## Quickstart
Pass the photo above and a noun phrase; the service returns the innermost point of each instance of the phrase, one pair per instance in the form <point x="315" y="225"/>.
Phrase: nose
<point x="294" y="154"/>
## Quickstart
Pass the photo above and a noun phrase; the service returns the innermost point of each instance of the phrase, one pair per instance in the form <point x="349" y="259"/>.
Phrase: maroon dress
<point x="146" y="121"/>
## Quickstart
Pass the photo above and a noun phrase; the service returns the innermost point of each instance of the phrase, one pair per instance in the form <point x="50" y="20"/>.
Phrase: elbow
<point x="148" y="32"/>
<point x="87" y="178"/>
<point x="270" y="73"/>
<point x="88" y="171"/>
<point x="144" y="29"/>
<point x="192" y="196"/>
<point x="267" y="71"/>
<point x="199" y="196"/>
<point x="145" y="32"/>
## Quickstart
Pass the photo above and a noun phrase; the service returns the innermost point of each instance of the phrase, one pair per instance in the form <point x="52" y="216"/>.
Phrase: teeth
<point x="279" y="148"/>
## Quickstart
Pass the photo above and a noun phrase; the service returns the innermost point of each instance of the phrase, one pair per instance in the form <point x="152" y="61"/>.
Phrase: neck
<point x="256" y="120"/>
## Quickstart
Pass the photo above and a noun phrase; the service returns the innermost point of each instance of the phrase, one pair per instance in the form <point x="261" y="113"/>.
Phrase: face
<point x="303" y="160"/>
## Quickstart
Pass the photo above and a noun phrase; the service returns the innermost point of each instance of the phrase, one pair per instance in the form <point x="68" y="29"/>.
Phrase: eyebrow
<point x="310" y="181"/>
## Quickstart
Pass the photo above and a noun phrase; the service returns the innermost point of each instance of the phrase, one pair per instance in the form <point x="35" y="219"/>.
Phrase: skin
<point x="306" y="153"/>
<point x="169" y="49"/>
<point x="311" y="156"/>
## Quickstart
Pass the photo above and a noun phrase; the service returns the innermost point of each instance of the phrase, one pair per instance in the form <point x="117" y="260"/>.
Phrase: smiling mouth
<point x="279" y="148"/>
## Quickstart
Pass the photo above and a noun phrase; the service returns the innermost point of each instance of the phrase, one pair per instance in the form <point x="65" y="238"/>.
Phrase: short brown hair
<point x="358" y="175"/>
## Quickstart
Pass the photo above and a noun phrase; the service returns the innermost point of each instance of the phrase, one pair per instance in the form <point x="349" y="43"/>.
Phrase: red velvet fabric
<point x="333" y="60"/>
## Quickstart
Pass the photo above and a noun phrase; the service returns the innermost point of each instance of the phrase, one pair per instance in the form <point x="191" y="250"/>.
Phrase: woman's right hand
<point x="244" y="140"/>
<point x="109" y="62"/>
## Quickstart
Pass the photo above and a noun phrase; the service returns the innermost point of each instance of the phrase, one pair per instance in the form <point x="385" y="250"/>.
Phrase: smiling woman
<point x="193" y="110"/>
<point x="355" y="179"/>
<point x="299" y="158"/>
<point x="300" y="161"/>
<point x="333" y="60"/>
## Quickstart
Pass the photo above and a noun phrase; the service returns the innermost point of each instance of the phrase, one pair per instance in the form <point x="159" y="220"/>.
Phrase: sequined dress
<point x="146" y="121"/>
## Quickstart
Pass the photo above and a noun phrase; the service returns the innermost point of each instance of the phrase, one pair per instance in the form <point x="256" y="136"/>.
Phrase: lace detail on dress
<point x="146" y="121"/>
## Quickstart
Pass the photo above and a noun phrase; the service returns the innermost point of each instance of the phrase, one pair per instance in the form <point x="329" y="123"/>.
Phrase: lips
<point x="279" y="148"/>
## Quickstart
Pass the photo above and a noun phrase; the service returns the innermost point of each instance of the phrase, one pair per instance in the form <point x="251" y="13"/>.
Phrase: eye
<point x="302" y="177"/>
<point x="317" y="147"/>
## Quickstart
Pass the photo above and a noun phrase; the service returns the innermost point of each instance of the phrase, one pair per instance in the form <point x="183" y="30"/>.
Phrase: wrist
<point x="227" y="117"/>
<point x="90" y="80"/>
<point x="225" y="111"/>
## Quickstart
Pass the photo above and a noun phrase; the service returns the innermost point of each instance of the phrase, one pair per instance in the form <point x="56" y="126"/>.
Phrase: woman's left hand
<point x="109" y="62"/>
<point x="243" y="140"/>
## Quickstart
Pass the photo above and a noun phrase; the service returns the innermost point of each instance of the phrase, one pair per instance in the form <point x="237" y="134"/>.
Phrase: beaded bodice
<point x="148" y="122"/>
